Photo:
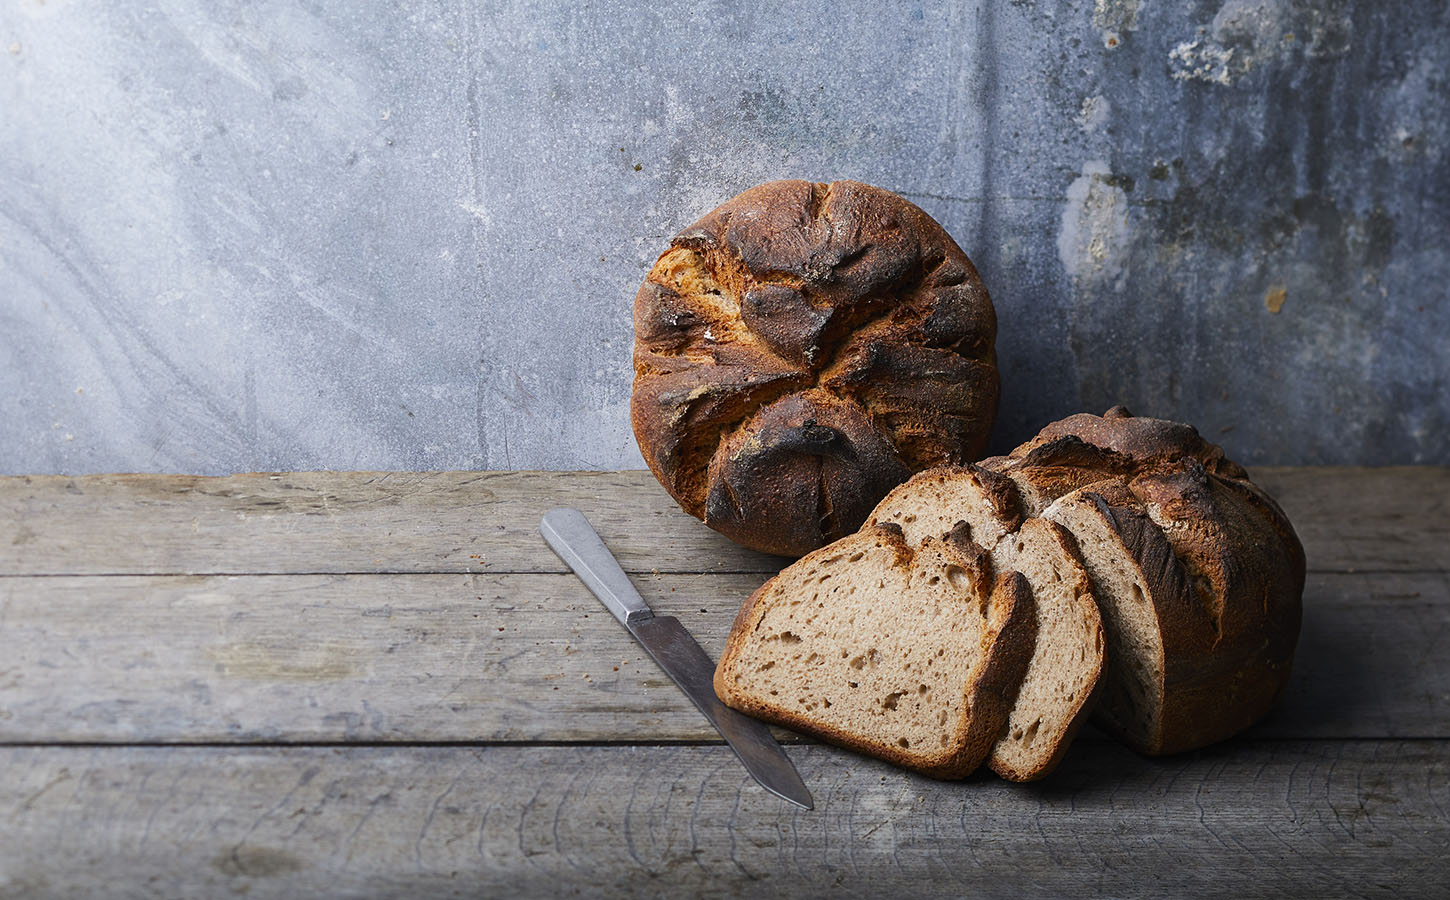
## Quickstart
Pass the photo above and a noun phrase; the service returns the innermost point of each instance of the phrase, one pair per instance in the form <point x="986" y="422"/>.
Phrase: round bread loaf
<point x="1198" y="573"/>
<point x="803" y="349"/>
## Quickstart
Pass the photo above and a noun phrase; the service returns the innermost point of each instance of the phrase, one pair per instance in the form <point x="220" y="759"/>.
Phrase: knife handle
<point x="579" y="545"/>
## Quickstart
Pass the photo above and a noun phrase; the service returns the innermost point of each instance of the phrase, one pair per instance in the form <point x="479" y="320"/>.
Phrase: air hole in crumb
<point x="903" y="742"/>
<point x="1138" y="593"/>
<point x="891" y="700"/>
<point x="766" y="665"/>
<point x="853" y="684"/>
<point x="826" y="702"/>
<point x="922" y="689"/>
<point x="958" y="577"/>
<point x="789" y="637"/>
<point x="908" y="519"/>
<point x="1031" y="733"/>
<point x="859" y="662"/>
<point x="855" y="557"/>
<point x="815" y="659"/>
<point x="935" y="579"/>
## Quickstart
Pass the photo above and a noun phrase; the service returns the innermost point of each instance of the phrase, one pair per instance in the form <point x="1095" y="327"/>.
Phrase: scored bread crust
<point x="989" y="687"/>
<point x="989" y="511"/>
<point x="1226" y="602"/>
<point x="801" y="350"/>
<point x="1222" y="567"/>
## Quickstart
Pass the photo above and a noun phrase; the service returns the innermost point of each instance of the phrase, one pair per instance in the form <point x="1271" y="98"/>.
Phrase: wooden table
<point x="385" y="684"/>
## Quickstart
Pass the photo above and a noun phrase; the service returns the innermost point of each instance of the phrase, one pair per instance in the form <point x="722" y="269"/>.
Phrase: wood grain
<point x="1267" y="820"/>
<point x="339" y="522"/>
<point x="491" y="658"/>
<point x="1392" y="518"/>
<point x="1350" y="519"/>
<point x="401" y="615"/>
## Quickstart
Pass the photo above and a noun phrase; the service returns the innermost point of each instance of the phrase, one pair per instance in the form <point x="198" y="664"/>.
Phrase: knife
<point x="682" y="658"/>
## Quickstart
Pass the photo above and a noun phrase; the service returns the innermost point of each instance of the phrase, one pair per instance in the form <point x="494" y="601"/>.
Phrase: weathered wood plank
<point x="305" y="522"/>
<point x="1274" y="819"/>
<point x="1366" y="519"/>
<point x="1349" y="518"/>
<point x="493" y="658"/>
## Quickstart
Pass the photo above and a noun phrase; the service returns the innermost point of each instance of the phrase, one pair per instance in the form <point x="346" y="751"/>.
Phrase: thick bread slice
<point x="1057" y="691"/>
<point x="934" y="502"/>
<point x="1057" y="694"/>
<point x="1130" y="701"/>
<point x="914" y="655"/>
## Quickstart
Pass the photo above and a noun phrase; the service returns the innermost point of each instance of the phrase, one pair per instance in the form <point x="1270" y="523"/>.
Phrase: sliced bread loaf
<point x="1198" y="573"/>
<point x="910" y="653"/>
<point x="1200" y="608"/>
<point x="1067" y="658"/>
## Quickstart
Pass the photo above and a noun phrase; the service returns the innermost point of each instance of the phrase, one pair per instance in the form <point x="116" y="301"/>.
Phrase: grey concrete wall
<point x="272" y="235"/>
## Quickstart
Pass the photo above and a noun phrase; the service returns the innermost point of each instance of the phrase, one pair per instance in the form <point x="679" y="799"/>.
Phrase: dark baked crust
<point x="1117" y="442"/>
<point x="1224" y="568"/>
<point x="801" y="350"/>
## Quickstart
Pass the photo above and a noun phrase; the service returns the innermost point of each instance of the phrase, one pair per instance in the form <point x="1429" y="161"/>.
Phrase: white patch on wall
<point x="1092" y="240"/>
<point x="1244" y="33"/>
<point x="1094" y="114"/>
<point x="1200" y="61"/>
<point x="1113" y="17"/>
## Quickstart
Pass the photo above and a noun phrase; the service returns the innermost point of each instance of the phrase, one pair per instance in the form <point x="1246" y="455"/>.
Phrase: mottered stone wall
<point x="240" y="236"/>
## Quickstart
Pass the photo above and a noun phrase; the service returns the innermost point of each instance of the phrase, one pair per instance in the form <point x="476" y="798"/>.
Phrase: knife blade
<point x="571" y="536"/>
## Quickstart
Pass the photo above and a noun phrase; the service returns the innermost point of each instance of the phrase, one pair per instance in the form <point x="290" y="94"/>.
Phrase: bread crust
<point x="1223" y="566"/>
<point x="801" y="350"/>
<point x="1007" y="644"/>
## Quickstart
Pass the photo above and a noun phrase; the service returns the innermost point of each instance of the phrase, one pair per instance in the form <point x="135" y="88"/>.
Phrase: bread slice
<point x="1067" y="661"/>
<point x="911" y="654"/>
<point x="1058" y="691"/>
<point x="1131" y="701"/>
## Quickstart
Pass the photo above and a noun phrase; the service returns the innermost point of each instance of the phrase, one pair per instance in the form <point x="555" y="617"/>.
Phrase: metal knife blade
<point x="571" y="536"/>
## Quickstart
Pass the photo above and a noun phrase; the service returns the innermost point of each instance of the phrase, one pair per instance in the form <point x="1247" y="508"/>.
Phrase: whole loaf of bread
<point x="803" y="349"/>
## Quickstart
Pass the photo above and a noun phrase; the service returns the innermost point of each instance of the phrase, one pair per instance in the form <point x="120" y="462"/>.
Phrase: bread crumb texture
<point x="907" y="654"/>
